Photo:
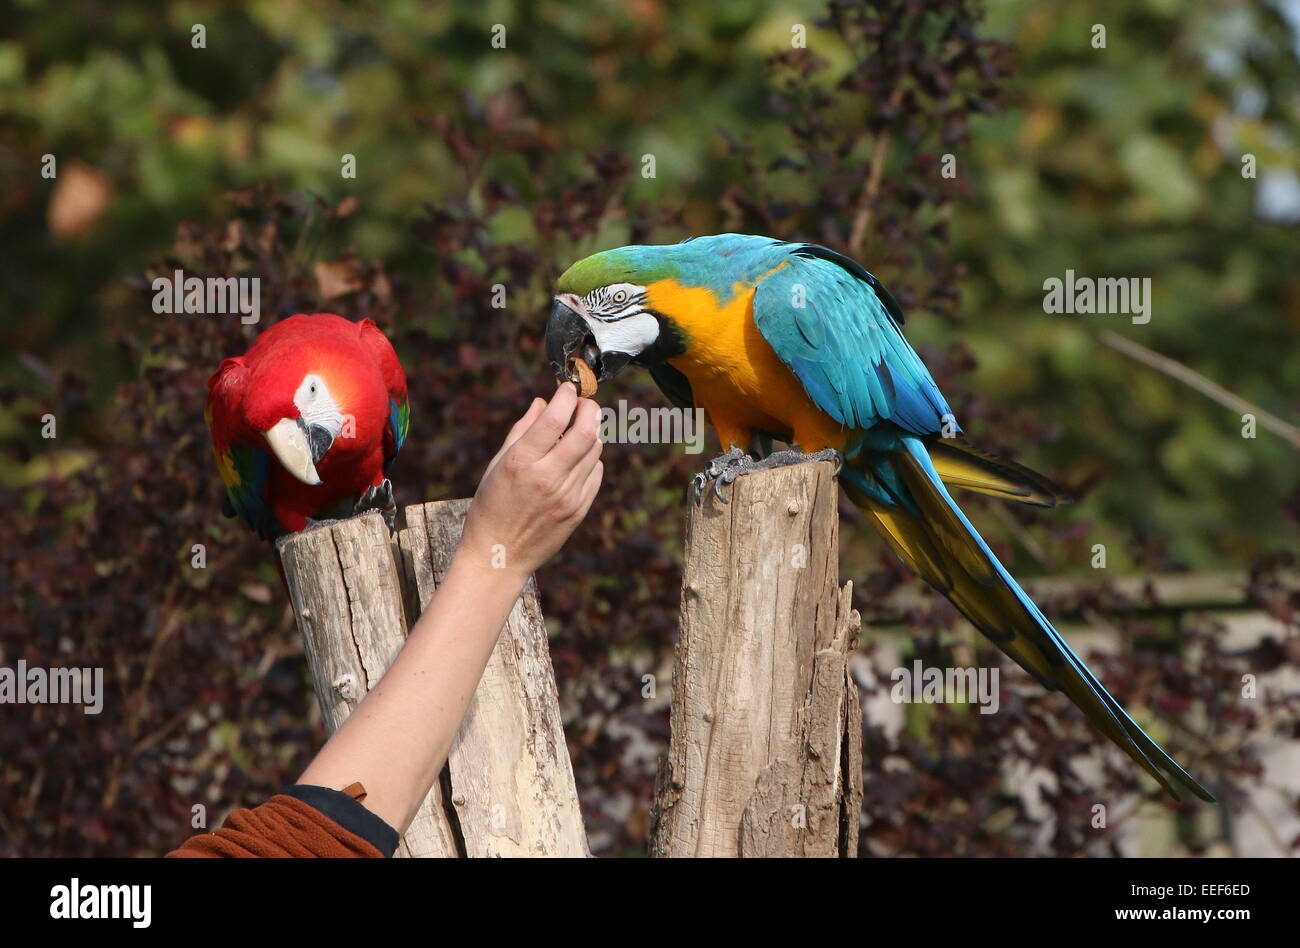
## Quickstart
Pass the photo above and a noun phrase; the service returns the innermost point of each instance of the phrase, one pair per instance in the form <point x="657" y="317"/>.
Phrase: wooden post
<point x="511" y="780"/>
<point x="765" y="757"/>
<point x="508" y="788"/>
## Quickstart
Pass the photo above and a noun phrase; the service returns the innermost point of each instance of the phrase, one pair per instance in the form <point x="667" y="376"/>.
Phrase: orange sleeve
<point x="282" y="827"/>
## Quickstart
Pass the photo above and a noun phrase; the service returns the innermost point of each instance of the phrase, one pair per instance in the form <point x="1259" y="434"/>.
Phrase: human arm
<point x="536" y="490"/>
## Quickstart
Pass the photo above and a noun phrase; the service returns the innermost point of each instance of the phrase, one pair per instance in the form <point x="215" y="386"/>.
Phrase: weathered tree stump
<point x="765" y="757"/>
<point x="511" y="778"/>
<point x="508" y="786"/>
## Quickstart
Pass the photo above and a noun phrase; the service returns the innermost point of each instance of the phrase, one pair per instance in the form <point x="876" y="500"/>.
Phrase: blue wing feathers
<point x="248" y="497"/>
<point x="841" y="339"/>
<point x="395" y="423"/>
<point x="838" y="329"/>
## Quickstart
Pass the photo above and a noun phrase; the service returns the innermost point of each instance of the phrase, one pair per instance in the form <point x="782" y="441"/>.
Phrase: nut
<point x="581" y="373"/>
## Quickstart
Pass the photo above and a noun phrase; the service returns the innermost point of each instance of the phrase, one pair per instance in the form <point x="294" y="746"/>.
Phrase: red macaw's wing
<point x="243" y="466"/>
<point x="399" y="408"/>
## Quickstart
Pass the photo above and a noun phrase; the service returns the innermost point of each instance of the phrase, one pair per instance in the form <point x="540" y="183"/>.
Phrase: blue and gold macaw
<point x="797" y="343"/>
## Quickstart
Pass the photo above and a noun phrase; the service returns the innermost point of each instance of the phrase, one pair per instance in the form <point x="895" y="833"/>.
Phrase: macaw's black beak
<point x="610" y="364"/>
<point x="569" y="337"/>
<point x="319" y="438"/>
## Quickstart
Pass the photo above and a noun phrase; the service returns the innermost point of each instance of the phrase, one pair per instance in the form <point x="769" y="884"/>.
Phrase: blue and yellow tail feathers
<point x="963" y="465"/>
<point x="903" y="491"/>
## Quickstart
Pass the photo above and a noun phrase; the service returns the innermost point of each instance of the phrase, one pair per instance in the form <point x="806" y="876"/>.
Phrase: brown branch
<point x="1203" y="385"/>
<point x="862" y="219"/>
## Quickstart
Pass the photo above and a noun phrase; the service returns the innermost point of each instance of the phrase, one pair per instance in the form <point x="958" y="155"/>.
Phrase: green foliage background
<point x="1123" y="161"/>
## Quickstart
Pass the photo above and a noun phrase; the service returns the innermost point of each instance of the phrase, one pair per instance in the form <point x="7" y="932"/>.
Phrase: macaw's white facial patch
<point x="614" y="301"/>
<point x="631" y="334"/>
<point x="317" y="406"/>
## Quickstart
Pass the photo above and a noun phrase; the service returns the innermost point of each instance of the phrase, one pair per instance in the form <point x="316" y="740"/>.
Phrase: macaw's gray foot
<point x="794" y="456"/>
<point x="379" y="497"/>
<point x="725" y="468"/>
<point x="729" y="465"/>
<point x="317" y="524"/>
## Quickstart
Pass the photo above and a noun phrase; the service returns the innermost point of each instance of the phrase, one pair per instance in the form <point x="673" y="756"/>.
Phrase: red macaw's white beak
<point x="291" y="446"/>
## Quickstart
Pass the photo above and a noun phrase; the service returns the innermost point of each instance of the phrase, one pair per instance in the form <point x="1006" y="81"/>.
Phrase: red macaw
<point x="306" y="423"/>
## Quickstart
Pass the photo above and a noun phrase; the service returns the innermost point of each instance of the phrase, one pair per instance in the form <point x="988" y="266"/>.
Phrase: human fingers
<point x="577" y="475"/>
<point x="577" y="441"/>
<point x="549" y="425"/>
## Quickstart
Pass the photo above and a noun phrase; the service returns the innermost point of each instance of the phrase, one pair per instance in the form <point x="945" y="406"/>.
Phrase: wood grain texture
<point x="512" y="786"/>
<point x="765" y="754"/>
<point x="508" y="786"/>
<point x="348" y="600"/>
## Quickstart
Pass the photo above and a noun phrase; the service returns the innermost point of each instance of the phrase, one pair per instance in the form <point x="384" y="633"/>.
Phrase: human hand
<point x="538" y="487"/>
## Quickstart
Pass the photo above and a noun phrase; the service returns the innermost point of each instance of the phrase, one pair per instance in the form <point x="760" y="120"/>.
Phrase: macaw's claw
<point x="795" y="456"/>
<point x="725" y="468"/>
<point x="379" y="497"/>
<point x="317" y="524"/>
<point x="717" y="470"/>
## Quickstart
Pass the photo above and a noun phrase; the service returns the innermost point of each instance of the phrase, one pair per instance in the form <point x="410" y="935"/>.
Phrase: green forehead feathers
<point x="624" y="265"/>
<point x="717" y="262"/>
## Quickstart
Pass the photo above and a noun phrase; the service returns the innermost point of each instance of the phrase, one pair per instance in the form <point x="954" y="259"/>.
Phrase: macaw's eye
<point x="620" y="296"/>
<point x="312" y="389"/>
